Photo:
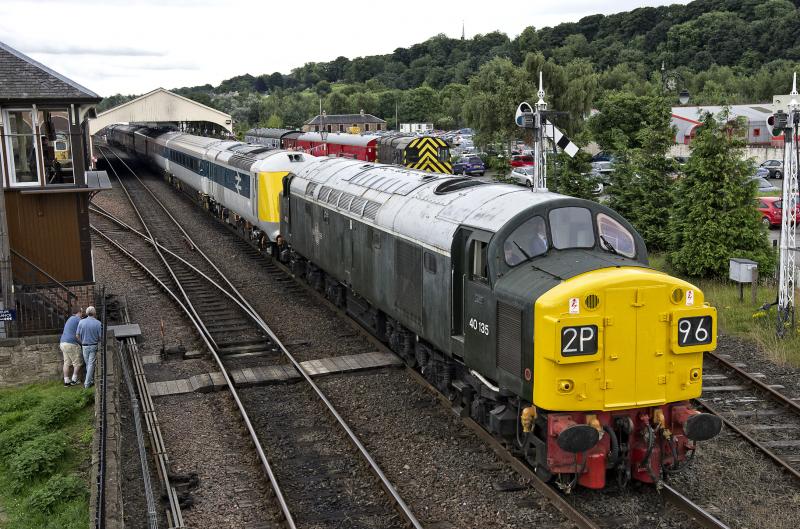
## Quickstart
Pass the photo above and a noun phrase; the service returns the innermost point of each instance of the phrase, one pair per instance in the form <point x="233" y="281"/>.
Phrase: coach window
<point x="21" y="143"/>
<point x="479" y="270"/>
<point x="56" y="146"/>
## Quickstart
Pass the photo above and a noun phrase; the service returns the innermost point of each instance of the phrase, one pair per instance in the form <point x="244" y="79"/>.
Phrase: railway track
<point x="562" y="503"/>
<point x="231" y="329"/>
<point x="757" y="411"/>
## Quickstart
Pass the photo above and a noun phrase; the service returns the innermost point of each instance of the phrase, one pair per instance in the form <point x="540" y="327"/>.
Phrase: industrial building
<point x="686" y="121"/>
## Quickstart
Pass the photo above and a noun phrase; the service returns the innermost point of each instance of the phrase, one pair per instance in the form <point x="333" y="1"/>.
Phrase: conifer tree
<point x="640" y="135"/>
<point x="573" y="176"/>
<point x="715" y="216"/>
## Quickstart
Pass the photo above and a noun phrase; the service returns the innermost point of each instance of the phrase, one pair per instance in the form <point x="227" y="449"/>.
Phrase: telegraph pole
<point x="790" y="125"/>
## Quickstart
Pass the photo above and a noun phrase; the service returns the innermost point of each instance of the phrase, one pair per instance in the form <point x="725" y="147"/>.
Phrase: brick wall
<point x="28" y="360"/>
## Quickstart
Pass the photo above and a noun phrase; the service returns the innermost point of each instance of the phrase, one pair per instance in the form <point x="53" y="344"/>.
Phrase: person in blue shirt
<point x="71" y="349"/>
<point x="89" y="334"/>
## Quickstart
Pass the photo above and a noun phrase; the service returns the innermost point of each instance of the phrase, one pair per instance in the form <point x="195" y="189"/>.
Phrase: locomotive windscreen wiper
<point x="528" y="257"/>
<point x="609" y="247"/>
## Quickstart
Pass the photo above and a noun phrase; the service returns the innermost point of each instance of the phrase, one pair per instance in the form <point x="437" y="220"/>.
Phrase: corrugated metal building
<point x="45" y="165"/>
<point x="686" y="120"/>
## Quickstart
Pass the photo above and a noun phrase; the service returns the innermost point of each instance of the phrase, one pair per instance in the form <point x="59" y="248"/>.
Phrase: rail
<point x="395" y="497"/>
<point x="100" y="507"/>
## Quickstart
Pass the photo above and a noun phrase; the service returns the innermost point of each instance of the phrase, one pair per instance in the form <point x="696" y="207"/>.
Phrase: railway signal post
<point x="789" y="123"/>
<point x="535" y="119"/>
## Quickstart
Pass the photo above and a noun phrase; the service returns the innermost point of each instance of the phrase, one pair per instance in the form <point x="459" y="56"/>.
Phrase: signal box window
<point x="480" y="269"/>
<point x="21" y="143"/>
<point x="614" y="237"/>
<point x="526" y="242"/>
<point x="56" y="146"/>
<point x="571" y="227"/>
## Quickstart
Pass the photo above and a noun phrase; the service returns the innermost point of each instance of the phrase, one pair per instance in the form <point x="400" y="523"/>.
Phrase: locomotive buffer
<point x="536" y="120"/>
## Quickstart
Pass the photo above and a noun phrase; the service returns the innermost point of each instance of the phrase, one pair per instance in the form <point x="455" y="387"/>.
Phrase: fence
<point x="42" y="303"/>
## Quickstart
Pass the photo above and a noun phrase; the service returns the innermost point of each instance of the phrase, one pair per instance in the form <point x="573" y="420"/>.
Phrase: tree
<point x="642" y="181"/>
<point x="714" y="218"/>
<point x="494" y="94"/>
<point x="275" y="122"/>
<point x="573" y="177"/>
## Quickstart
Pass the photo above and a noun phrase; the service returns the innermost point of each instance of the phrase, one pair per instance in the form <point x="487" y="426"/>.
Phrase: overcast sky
<point x="131" y="47"/>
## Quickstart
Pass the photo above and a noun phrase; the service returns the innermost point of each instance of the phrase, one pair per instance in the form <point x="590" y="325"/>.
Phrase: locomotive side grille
<point x="357" y="205"/>
<point x="345" y="200"/>
<point x="310" y="188"/>
<point x="371" y="211"/>
<point x="408" y="267"/>
<point x="323" y="193"/>
<point x="333" y="198"/>
<point x="509" y="338"/>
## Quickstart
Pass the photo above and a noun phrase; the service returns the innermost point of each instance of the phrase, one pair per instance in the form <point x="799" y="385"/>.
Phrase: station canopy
<point x="161" y="107"/>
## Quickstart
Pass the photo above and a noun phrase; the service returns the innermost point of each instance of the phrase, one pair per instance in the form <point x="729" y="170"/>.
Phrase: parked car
<point x="522" y="175"/>
<point x="521" y="160"/>
<point x="771" y="210"/>
<point x="764" y="186"/>
<point x="761" y="172"/>
<point x="774" y="167"/>
<point x="603" y="157"/>
<point x="470" y="165"/>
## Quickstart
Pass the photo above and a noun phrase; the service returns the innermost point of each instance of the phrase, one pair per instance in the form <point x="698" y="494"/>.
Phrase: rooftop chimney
<point x="362" y="111"/>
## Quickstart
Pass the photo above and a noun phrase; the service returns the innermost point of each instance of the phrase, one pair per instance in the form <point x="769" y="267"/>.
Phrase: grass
<point x="742" y="318"/>
<point x="45" y="456"/>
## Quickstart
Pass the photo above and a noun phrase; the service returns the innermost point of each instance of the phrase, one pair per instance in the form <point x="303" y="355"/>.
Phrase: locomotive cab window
<point x="480" y="269"/>
<point x="571" y="227"/>
<point x="527" y="241"/>
<point x="614" y="237"/>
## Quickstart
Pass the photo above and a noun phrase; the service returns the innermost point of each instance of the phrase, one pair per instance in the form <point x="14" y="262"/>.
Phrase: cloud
<point x="46" y="49"/>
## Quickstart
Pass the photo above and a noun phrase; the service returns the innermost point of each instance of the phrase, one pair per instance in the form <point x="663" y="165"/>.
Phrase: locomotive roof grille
<point x="310" y="188"/>
<point x="241" y="161"/>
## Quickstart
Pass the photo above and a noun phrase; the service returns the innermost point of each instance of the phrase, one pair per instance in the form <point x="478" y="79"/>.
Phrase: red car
<point x="771" y="209"/>
<point x="521" y="160"/>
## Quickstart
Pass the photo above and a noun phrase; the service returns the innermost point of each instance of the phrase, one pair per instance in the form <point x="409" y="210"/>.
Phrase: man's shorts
<point x="73" y="356"/>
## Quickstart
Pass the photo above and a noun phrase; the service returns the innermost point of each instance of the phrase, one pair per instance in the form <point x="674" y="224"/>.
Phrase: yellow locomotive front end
<point x="618" y="355"/>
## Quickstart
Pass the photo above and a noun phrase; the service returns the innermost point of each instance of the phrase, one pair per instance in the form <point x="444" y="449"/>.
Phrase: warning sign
<point x="689" y="298"/>
<point x="574" y="306"/>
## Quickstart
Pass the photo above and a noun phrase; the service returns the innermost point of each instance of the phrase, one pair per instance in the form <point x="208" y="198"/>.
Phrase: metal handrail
<point x="48" y="276"/>
<point x="100" y="507"/>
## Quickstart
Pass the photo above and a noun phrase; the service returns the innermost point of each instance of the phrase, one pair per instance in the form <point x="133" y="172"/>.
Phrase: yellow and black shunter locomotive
<point x="536" y="312"/>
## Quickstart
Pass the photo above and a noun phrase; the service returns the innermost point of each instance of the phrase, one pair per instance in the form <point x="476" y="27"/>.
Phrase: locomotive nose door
<point x="636" y="340"/>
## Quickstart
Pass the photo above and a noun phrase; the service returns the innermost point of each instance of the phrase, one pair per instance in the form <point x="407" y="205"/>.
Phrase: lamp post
<point x="671" y="80"/>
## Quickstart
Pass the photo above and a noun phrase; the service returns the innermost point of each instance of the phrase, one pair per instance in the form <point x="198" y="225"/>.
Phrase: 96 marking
<point x="695" y="331"/>
<point x="479" y="326"/>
